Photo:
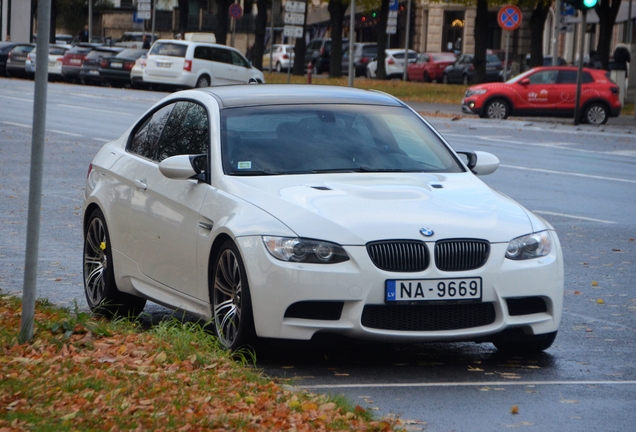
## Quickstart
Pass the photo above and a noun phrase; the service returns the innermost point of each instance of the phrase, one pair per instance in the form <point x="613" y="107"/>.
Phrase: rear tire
<point x="203" y="81"/>
<point x="466" y="80"/>
<point x="100" y="288"/>
<point x="595" y="114"/>
<point x="230" y="299"/>
<point x="426" y="78"/>
<point x="445" y="79"/>
<point x="279" y="67"/>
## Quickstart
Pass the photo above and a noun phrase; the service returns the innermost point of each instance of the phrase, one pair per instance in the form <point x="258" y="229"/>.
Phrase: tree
<point x="337" y="10"/>
<point x="537" y="25"/>
<point x="184" y="12"/>
<point x="382" y="39"/>
<point x="222" y="20"/>
<point x="606" y="11"/>
<point x="259" y="36"/>
<point x="481" y="41"/>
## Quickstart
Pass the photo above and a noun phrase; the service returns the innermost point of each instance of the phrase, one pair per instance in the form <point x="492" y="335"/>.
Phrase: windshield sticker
<point x="244" y="165"/>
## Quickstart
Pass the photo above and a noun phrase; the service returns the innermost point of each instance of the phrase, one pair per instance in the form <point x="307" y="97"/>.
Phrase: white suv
<point x="189" y="64"/>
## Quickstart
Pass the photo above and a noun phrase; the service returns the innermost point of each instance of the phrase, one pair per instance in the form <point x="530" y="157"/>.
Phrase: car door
<point x="223" y="69"/>
<point x="416" y="71"/>
<point x="455" y="72"/>
<point x="566" y="86"/>
<point x="241" y="68"/>
<point x="164" y="213"/>
<point x="537" y="92"/>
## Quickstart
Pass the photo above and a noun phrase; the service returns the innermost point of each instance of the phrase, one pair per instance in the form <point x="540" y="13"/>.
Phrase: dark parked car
<point x="363" y="54"/>
<point x="16" y="59"/>
<point x="116" y="70"/>
<point x="462" y="71"/>
<point x="73" y="59"/>
<point x="5" y="47"/>
<point x="89" y="72"/>
<point x="318" y="53"/>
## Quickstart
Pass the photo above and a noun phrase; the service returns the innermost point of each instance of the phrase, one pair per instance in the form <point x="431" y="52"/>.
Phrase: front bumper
<point x="296" y="301"/>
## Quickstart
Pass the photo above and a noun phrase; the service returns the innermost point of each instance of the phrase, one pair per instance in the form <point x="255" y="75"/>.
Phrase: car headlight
<point x="304" y="250"/>
<point x="529" y="246"/>
<point x="470" y="92"/>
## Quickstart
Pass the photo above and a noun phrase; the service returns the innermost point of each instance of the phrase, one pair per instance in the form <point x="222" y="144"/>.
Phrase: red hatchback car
<point x="430" y="66"/>
<point x="548" y="92"/>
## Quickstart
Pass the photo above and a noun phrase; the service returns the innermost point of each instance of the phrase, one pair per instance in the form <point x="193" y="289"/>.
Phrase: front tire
<point x="496" y="109"/>
<point x="596" y="114"/>
<point x="230" y="299"/>
<point x="529" y="344"/>
<point x="100" y="288"/>
<point x="466" y="80"/>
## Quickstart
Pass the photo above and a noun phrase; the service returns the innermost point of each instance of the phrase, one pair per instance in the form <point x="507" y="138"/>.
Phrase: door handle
<point x="141" y="184"/>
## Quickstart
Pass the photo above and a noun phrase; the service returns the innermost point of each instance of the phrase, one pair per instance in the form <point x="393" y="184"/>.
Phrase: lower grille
<point x="428" y="317"/>
<point x="316" y="310"/>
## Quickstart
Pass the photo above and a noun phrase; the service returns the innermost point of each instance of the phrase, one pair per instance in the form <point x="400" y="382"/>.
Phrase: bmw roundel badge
<point x="426" y="232"/>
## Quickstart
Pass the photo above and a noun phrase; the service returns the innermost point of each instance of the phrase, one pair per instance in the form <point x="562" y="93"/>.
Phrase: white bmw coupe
<point x="283" y="211"/>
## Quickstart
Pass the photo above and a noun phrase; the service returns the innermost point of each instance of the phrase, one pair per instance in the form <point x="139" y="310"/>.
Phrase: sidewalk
<point x="447" y="110"/>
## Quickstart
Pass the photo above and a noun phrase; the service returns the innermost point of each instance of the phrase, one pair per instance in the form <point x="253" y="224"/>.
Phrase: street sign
<point x="236" y="11"/>
<point x="296" y="6"/>
<point x="146" y="15"/>
<point x="509" y="17"/>
<point x="143" y="7"/>
<point x="294" y="18"/>
<point x="391" y="26"/>
<point x="293" y="31"/>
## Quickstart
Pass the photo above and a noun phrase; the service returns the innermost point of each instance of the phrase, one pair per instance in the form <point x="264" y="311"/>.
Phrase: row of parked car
<point x="174" y="63"/>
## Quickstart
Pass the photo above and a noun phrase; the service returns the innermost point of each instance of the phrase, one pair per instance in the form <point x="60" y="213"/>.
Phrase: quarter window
<point x="175" y="129"/>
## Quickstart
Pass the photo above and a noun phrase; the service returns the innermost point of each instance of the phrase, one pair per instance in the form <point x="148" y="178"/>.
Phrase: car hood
<point x="353" y="209"/>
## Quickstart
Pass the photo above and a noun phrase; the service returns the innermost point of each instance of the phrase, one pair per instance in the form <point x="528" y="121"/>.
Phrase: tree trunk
<point x="222" y="20"/>
<point x="382" y="40"/>
<point x="481" y="41"/>
<point x="606" y="11"/>
<point x="259" y="34"/>
<point x="336" y="12"/>
<point x="537" y="24"/>
<point x="184" y="12"/>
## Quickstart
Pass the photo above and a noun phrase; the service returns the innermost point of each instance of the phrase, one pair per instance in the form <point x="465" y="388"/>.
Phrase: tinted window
<point x="169" y="49"/>
<point x="134" y="53"/>
<point x="351" y="138"/>
<point x="57" y="50"/>
<point x="186" y="131"/>
<point x="491" y="58"/>
<point x="144" y="141"/>
<point x="202" y="52"/>
<point x="369" y="50"/>
<point x="239" y="60"/>
<point x="544" y="77"/>
<point x="221" y="55"/>
<point x="567" y="77"/>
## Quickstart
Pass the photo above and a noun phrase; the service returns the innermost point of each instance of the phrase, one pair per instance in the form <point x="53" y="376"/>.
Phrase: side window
<point x="202" y="52"/>
<point x="567" y="77"/>
<point x="238" y="60"/>
<point x="544" y="77"/>
<point x="144" y="142"/>
<point x="186" y="132"/>
<point x="221" y="55"/>
<point x="586" y="78"/>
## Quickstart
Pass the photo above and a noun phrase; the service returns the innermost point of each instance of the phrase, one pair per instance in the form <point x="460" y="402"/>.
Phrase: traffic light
<point x="583" y="5"/>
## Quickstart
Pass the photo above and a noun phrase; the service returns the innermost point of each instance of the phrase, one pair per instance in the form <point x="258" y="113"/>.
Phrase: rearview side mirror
<point x="524" y="81"/>
<point x="185" y="167"/>
<point x="479" y="162"/>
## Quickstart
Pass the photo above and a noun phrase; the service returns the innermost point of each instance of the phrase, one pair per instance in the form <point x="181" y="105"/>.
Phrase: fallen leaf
<point x="594" y="283"/>
<point x="577" y="292"/>
<point x="514" y="409"/>
<point x="600" y="301"/>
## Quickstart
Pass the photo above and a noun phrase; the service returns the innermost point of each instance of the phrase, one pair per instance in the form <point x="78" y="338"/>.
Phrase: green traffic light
<point x="589" y="3"/>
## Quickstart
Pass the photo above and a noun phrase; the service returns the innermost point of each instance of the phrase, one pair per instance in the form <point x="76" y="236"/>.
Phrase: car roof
<point x="291" y="94"/>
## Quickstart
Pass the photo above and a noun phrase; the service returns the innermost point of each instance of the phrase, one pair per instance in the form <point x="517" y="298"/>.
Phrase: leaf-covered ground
<point x="78" y="373"/>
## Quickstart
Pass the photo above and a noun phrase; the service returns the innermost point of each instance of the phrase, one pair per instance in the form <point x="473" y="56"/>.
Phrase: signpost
<point x="294" y="20"/>
<point x="391" y="24"/>
<point x="144" y="9"/>
<point x="236" y="12"/>
<point x="509" y="18"/>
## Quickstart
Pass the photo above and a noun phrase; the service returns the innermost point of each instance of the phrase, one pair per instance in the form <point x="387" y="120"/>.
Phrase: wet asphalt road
<point x="582" y="179"/>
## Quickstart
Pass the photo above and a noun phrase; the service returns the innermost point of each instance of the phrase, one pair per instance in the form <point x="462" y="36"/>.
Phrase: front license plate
<point x="426" y="290"/>
<point x="93" y="72"/>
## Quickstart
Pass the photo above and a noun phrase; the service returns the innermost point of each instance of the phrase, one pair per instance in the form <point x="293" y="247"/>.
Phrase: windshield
<point x="300" y="139"/>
